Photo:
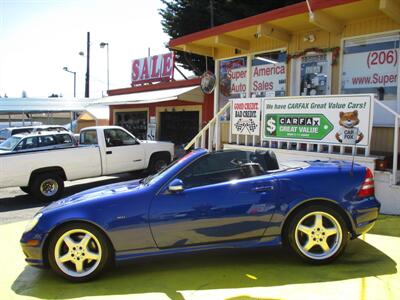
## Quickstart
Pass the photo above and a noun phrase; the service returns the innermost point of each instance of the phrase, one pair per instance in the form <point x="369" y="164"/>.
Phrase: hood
<point x="5" y="151"/>
<point x="95" y="194"/>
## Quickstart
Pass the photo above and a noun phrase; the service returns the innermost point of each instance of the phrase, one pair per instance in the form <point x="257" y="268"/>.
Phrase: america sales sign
<point x="153" y="68"/>
<point x="246" y="116"/>
<point x="336" y="119"/>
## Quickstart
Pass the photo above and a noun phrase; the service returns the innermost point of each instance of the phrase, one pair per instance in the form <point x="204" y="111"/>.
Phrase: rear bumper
<point x="364" y="214"/>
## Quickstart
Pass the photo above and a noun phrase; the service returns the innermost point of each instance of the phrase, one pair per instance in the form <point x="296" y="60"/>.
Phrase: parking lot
<point x="368" y="269"/>
<point x="15" y="205"/>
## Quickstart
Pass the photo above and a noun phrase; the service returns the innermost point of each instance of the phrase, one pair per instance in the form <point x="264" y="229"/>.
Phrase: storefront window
<point x="133" y="121"/>
<point x="314" y="72"/>
<point x="269" y="74"/>
<point x="370" y="65"/>
<point x="232" y="79"/>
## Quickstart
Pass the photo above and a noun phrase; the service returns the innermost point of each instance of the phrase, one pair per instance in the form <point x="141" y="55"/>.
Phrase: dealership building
<point x="314" y="49"/>
<point x="157" y="106"/>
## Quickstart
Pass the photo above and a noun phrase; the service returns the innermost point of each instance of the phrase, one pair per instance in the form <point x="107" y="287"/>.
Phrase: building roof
<point x="191" y="93"/>
<point x="41" y="105"/>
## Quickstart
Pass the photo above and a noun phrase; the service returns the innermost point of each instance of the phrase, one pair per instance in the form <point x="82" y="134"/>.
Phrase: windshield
<point x="4" y="134"/>
<point x="10" y="143"/>
<point x="156" y="177"/>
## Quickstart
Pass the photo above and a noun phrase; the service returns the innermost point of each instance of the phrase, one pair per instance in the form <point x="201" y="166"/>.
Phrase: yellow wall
<point x="323" y="39"/>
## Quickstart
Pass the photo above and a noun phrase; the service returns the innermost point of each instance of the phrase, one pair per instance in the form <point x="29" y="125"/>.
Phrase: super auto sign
<point x="153" y="68"/>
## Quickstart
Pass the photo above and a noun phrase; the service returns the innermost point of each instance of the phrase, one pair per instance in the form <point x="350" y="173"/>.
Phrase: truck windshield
<point x="10" y="143"/>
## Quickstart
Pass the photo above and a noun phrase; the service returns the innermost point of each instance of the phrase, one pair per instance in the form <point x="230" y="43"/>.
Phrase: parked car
<point x="5" y="133"/>
<point x="37" y="141"/>
<point x="103" y="150"/>
<point x="204" y="201"/>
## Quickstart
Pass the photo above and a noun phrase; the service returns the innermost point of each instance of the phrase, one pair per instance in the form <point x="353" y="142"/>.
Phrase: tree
<point x="182" y="17"/>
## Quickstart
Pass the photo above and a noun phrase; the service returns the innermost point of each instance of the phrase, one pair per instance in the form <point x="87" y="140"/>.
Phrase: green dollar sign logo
<point x="271" y="125"/>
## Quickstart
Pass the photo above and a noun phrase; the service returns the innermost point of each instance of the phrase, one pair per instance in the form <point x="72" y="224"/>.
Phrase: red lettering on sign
<point x="166" y="65"/>
<point x="145" y="70"/>
<point x="135" y="70"/>
<point x="155" y="69"/>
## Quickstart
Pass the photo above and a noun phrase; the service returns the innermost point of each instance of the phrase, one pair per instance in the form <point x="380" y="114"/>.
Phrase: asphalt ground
<point x="15" y="205"/>
<point x="368" y="270"/>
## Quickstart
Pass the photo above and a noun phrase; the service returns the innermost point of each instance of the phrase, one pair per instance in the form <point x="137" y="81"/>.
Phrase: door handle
<point x="260" y="189"/>
<point x="108" y="152"/>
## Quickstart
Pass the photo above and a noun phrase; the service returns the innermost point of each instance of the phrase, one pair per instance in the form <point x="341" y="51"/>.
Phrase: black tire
<point x="157" y="163"/>
<point x="97" y="245"/>
<point x="316" y="242"/>
<point x="26" y="189"/>
<point x="47" y="186"/>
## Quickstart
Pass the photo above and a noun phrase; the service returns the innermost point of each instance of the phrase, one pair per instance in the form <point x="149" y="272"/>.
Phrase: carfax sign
<point x="246" y="116"/>
<point x="340" y="120"/>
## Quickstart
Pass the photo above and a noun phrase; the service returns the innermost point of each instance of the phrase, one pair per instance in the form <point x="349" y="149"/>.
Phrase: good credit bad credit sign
<point x="246" y="116"/>
<point x="339" y="120"/>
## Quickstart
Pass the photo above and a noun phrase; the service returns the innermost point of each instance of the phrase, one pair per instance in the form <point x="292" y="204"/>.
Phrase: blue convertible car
<point x="206" y="200"/>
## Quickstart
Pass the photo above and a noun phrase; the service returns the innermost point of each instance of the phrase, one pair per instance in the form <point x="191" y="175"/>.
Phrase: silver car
<point x="37" y="141"/>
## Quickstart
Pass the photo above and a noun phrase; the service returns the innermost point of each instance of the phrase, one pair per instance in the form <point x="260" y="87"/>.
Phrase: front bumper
<point x="364" y="214"/>
<point x="33" y="254"/>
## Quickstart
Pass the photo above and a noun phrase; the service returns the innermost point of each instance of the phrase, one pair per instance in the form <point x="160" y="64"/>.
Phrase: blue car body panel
<point x="147" y="219"/>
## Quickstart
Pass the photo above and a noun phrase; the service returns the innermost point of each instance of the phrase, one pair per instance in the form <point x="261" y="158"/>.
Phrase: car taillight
<point x="367" y="188"/>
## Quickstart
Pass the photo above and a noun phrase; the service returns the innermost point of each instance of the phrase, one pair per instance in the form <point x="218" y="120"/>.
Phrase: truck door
<point x="123" y="152"/>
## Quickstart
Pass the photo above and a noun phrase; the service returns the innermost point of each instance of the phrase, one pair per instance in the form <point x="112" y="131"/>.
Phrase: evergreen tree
<point x="182" y="17"/>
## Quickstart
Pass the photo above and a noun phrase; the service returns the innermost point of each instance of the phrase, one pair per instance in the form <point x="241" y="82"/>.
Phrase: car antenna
<point x="354" y="151"/>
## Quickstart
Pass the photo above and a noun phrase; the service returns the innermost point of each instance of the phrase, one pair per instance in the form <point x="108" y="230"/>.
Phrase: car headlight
<point x="32" y="223"/>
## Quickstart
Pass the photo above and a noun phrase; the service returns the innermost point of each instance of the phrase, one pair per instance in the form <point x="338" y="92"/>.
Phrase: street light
<point x="102" y="45"/>
<point x="66" y="70"/>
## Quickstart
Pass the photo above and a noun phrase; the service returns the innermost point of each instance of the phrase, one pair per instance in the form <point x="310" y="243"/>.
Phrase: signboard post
<point x="335" y="120"/>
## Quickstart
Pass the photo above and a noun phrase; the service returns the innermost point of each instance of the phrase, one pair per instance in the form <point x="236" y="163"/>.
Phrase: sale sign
<point x="245" y="118"/>
<point x="337" y="120"/>
<point x="153" y="68"/>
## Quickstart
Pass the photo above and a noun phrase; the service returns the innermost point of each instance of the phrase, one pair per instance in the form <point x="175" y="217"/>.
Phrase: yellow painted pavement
<point x="367" y="271"/>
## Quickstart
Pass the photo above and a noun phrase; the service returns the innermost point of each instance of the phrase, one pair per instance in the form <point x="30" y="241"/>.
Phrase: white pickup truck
<point x="103" y="150"/>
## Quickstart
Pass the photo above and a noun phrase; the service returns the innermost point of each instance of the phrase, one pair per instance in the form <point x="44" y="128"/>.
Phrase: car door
<point x="123" y="152"/>
<point x="218" y="204"/>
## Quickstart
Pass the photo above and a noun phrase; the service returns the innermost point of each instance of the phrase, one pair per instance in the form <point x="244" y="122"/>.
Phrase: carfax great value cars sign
<point x="340" y="120"/>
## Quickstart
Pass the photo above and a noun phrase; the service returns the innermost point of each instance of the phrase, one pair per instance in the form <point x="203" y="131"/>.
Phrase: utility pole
<point x="87" y="66"/>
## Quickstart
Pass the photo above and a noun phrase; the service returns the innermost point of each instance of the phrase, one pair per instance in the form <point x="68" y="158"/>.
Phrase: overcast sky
<point x="40" y="37"/>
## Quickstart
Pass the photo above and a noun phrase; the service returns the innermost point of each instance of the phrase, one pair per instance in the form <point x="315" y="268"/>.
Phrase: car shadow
<point x="24" y="201"/>
<point x="204" y="271"/>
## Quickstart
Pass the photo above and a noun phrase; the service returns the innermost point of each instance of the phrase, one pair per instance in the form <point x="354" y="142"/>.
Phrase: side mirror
<point x="175" y="186"/>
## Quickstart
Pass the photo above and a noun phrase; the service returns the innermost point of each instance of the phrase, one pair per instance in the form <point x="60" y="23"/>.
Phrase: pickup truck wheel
<point x="26" y="189"/>
<point x="78" y="251"/>
<point x="157" y="163"/>
<point x="317" y="234"/>
<point x="47" y="187"/>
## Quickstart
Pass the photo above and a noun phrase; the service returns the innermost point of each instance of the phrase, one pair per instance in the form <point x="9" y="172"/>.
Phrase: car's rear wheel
<point x="47" y="186"/>
<point x="318" y="234"/>
<point x="78" y="252"/>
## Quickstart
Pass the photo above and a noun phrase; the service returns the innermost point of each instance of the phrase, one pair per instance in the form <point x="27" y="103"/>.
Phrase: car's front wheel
<point x="78" y="252"/>
<point x="318" y="234"/>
